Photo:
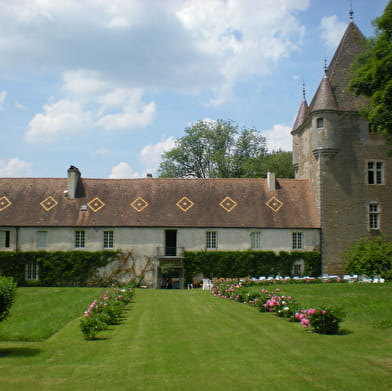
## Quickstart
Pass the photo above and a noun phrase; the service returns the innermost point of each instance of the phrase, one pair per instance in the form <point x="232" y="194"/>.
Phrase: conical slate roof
<point x="339" y="71"/>
<point x="302" y="114"/>
<point x="324" y="99"/>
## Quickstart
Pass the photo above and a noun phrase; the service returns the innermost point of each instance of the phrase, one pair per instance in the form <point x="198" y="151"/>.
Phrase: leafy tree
<point x="373" y="75"/>
<point x="218" y="149"/>
<point x="372" y="257"/>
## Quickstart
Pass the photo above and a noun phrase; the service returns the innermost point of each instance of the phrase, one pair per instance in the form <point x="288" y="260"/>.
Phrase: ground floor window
<point x="79" y="239"/>
<point x="211" y="240"/>
<point x="108" y="237"/>
<point x="31" y="272"/>
<point x="255" y="240"/>
<point x="42" y="239"/>
<point x="297" y="240"/>
<point x="4" y="239"/>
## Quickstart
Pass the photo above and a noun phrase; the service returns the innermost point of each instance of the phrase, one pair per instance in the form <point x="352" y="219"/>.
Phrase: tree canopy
<point x="219" y="149"/>
<point x="373" y="75"/>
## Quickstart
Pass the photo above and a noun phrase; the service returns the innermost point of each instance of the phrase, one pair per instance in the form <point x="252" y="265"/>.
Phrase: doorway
<point x="170" y="243"/>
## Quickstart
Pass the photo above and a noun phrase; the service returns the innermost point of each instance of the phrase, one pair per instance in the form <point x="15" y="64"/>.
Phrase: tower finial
<point x="325" y="65"/>
<point x="351" y="13"/>
<point x="303" y="90"/>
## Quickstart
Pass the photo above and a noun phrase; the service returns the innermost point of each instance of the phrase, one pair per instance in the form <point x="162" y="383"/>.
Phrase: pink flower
<point x="311" y="312"/>
<point x="305" y="322"/>
<point x="277" y="290"/>
<point x="323" y="312"/>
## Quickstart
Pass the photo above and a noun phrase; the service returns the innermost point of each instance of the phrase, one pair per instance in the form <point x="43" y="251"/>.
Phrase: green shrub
<point x="56" y="268"/>
<point x="238" y="264"/>
<point x="325" y="321"/>
<point x="372" y="257"/>
<point x="7" y="296"/>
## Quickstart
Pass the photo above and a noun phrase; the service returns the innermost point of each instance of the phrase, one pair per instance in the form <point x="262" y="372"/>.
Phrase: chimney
<point x="271" y="181"/>
<point x="149" y="175"/>
<point x="73" y="180"/>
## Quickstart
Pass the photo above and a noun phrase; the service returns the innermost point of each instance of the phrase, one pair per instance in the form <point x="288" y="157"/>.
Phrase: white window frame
<point x="5" y="239"/>
<point x="255" y="240"/>
<point x="108" y="239"/>
<point x="42" y="239"/>
<point x="80" y="239"/>
<point x="32" y="272"/>
<point x="374" y="216"/>
<point x="211" y="240"/>
<point x="297" y="240"/>
<point x="375" y="172"/>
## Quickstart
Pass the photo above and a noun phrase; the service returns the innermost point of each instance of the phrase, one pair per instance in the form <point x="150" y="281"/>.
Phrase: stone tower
<point x="347" y="165"/>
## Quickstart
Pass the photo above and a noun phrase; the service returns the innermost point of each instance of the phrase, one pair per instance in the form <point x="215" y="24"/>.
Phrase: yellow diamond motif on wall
<point x="274" y="204"/>
<point x="228" y="204"/>
<point x="96" y="204"/>
<point x="139" y="204"/>
<point x="185" y="204"/>
<point x="48" y="203"/>
<point x="4" y="203"/>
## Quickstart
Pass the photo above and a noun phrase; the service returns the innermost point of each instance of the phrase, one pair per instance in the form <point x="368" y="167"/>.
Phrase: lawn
<point x="191" y="340"/>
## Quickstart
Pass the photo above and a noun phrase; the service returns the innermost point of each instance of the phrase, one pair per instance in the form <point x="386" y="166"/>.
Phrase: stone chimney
<point x="73" y="180"/>
<point x="271" y="181"/>
<point x="148" y="175"/>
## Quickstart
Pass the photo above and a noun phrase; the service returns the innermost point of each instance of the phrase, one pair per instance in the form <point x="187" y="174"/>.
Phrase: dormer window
<point x="320" y="123"/>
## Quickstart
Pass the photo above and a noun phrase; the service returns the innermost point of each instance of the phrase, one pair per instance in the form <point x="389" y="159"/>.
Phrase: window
<point x="4" y="239"/>
<point x="108" y="239"/>
<point x="79" y="239"/>
<point x="374" y="216"/>
<point x="297" y="240"/>
<point x="320" y="123"/>
<point x="255" y="240"/>
<point x="42" y="239"/>
<point x="375" y="173"/>
<point x="297" y="270"/>
<point x="31" y="272"/>
<point x="211" y="239"/>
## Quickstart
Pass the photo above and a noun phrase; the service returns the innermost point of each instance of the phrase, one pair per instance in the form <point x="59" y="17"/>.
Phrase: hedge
<point x="59" y="268"/>
<point x="7" y="296"/>
<point x="237" y="264"/>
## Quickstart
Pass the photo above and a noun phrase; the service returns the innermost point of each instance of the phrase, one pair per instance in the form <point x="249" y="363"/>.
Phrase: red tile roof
<point x="157" y="202"/>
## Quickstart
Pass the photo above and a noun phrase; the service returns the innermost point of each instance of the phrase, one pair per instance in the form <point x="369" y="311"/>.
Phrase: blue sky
<point x="108" y="85"/>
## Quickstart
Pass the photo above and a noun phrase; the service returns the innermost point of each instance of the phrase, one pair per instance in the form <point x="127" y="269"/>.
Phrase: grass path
<point x="190" y="340"/>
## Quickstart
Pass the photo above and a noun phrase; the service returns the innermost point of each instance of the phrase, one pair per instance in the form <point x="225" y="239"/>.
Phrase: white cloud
<point x="90" y="101"/>
<point x="278" y="137"/>
<point x="123" y="170"/>
<point x="15" y="167"/>
<point x="133" y="112"/>
<point x="193" y="46"/>
<point x="332" y="31"/>
<point x="3" y="95"/>
<point x="151" y="154"/>
<point x="60" y="120"/>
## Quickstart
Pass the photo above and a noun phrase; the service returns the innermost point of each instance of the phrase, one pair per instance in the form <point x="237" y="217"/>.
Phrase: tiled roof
<point x="157" y="202"/>
<point x="302" y="114"/>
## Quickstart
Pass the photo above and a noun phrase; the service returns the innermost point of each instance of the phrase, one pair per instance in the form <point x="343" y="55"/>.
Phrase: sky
<point x="108" y="85"/>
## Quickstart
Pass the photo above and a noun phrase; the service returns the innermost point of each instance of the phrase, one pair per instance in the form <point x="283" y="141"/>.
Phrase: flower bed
<point x="106" y="310"/>
<point x="322" y="321"/>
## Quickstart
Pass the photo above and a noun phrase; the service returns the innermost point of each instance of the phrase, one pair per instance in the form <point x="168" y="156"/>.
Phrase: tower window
<point x="374" y="216"/>
<point x="320" y="123"/>
<point x="375" y="173"/>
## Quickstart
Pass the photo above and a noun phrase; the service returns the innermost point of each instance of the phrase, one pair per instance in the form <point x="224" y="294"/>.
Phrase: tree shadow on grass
<point x="19" y="352"/>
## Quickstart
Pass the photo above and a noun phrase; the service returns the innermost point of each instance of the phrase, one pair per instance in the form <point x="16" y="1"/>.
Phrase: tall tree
<point x="373" y="75"/>
<point x="218" y="149"/>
